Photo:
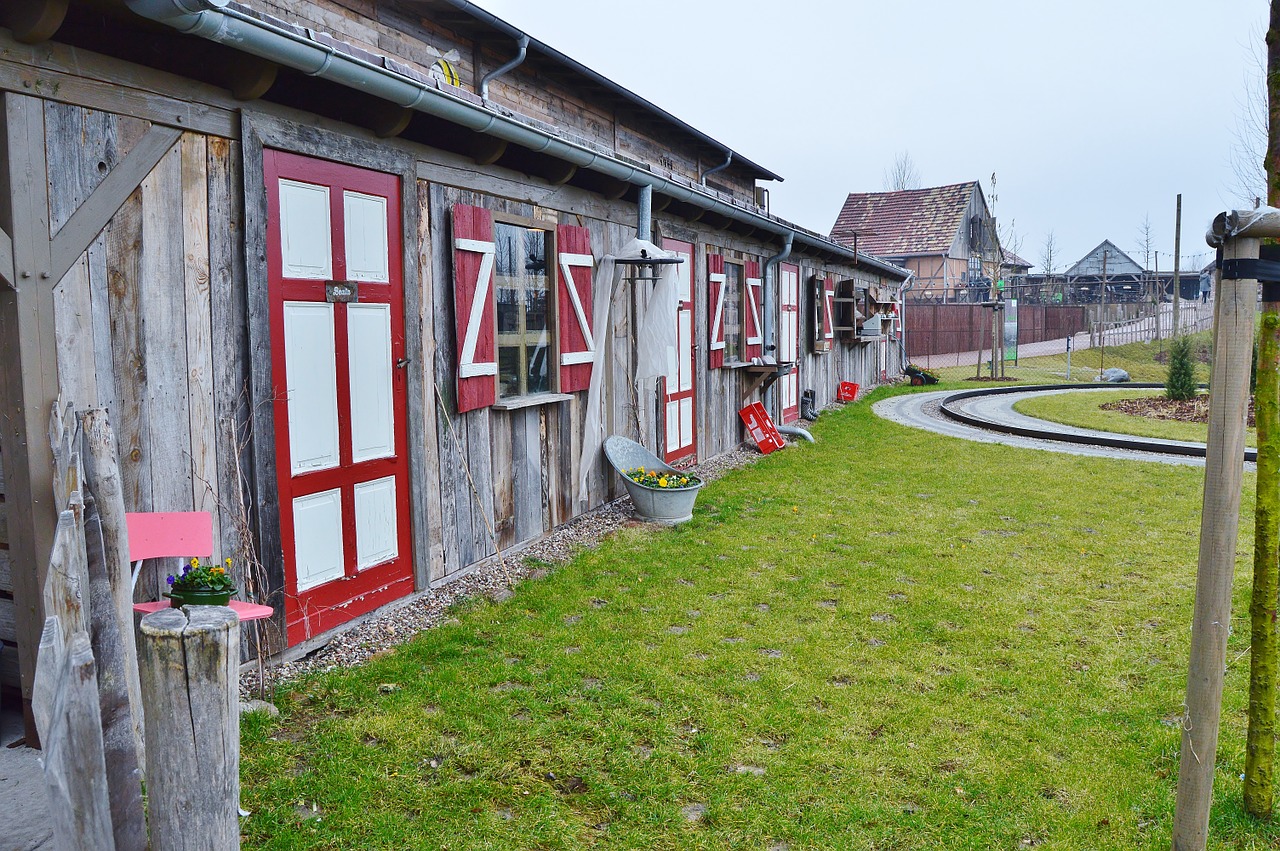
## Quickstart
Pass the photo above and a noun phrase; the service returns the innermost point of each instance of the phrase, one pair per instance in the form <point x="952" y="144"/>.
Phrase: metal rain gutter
<point x="211" y="19"/>
<point x="523" y="44"/>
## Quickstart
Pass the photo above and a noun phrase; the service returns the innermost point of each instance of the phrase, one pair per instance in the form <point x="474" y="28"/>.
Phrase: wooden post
<point x="102" y="477"/>
<point x="1219" y="526"/>
<point x="190" y="660"/>
<point x="124" y="775"/>
<point x="1177" y="252"/>
<point x="66" y="709"/>
<point x="28" y="372"/>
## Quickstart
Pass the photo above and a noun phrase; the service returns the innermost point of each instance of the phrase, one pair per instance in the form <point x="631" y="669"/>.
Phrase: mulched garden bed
<point x="1159" y="408"/>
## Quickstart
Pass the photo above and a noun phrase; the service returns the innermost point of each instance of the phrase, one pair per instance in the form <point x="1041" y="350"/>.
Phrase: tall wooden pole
<point x="1102" y="317"/>
<point x="1259" y="782"/>
<point x="1219" y="526"/>
<point x="1177" y="256"/>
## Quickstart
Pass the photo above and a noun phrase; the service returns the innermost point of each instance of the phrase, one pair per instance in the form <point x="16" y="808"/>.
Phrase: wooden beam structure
<point x="28" y="375"/>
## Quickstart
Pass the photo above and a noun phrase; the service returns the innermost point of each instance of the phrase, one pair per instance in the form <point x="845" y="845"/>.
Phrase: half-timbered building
<point x="333" y="261"/>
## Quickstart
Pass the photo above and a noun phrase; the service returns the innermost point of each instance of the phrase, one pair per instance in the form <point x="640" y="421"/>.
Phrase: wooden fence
<point x="88" y="697"/>
<point x="941" y="329"/>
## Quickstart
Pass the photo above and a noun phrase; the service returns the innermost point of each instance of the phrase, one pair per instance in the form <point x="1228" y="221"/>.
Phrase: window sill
<point x="518" y="402"/>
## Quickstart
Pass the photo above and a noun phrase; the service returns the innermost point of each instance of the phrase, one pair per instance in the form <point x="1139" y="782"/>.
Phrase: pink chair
<point x="177" y="534"/>
<point x="170" y="534"/>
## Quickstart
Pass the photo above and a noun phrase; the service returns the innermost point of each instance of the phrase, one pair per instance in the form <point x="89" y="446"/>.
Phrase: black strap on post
<point x="1266" y="270"/>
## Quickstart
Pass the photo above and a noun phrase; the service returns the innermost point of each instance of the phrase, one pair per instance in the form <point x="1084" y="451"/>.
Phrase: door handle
<point x="402" y="363"/>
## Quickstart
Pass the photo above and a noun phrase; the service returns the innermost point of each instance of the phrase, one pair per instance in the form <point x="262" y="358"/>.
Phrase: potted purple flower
<point x="201" y="584"/>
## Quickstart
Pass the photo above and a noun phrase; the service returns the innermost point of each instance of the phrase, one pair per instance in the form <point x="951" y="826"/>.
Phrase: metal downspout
<point x="644" y="214"/>
<point x="523" y="44"/>
<point x="906" y="287"/>
<point x="769" y="309"/>
<point x="727" y="161"/>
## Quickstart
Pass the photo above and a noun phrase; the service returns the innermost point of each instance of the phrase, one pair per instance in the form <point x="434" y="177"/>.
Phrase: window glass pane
<point x="521" y="290"/>
<point x="732" y="311"/>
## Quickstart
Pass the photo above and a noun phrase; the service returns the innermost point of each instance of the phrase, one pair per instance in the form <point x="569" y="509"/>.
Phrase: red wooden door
<point x="337" y="354"/>
<point x="789" y="340"/>
<point x="681" y="393"/>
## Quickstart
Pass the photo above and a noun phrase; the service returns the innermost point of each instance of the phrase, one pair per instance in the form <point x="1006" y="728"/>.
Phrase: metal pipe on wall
<point x="523" y="44"/>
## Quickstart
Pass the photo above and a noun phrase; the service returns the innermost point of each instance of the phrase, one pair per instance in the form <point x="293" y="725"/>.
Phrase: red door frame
<point x="325" y="606"/>
<point x="686" y="307"/>
<point x="790" y="313"/>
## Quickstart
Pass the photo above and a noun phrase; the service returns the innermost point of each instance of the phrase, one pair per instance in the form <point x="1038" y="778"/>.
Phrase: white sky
<point x="1092" y="114"/>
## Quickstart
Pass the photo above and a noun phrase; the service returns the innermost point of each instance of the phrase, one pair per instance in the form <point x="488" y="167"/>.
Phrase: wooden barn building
<point x="945" y="235"/>
<point x="333" y="260"/>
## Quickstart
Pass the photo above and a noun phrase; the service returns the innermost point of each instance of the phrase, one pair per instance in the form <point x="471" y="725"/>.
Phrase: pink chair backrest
<point x="164" y="534"/>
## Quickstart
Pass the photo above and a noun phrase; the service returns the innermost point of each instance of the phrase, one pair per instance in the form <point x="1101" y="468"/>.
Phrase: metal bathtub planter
<point x="659" y="505"/>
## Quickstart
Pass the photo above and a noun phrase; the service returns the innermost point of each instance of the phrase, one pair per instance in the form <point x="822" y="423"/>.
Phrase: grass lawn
<point x="1083" y="410"/>
<point x="889" y="640"/>
<point x="1138" y="359"/>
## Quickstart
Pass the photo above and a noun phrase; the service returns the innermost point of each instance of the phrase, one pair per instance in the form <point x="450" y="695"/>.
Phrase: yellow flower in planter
<point x="662" y="482"/>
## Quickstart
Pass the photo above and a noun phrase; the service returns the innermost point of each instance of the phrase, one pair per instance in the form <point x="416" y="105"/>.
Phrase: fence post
<point x="190" y="659"/>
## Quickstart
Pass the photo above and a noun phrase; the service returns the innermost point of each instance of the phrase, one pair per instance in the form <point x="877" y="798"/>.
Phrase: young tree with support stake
<point x="1261" y="739"/>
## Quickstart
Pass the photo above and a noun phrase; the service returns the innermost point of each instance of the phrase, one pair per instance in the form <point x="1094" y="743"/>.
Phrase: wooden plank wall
<point x="8" y="635"/>
<point x="522" y="463"/>
<point x="148" y="326"/>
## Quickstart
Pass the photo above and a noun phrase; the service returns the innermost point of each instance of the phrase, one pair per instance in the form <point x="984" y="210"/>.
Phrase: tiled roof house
<point x="934" y="232"/>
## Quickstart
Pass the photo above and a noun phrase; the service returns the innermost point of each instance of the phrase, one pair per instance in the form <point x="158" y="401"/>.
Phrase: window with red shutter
<point x="716" y="291"/>
<point x="577" y="343"/>
<point x="474" y="322"/>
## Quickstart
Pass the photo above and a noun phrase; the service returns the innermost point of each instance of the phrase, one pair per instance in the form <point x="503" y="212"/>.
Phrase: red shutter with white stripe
<point x="829" y="309"/>
<point x="474" y="312"/>
<point x="715" y="311"/>
<point x="754" y="298"/>
<point x="577" y="344"/>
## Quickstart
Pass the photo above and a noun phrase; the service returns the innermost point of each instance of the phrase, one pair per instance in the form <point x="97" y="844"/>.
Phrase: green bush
<point x="1181" y="383"/>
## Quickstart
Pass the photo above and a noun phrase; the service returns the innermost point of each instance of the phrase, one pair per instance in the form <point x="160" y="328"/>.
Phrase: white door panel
<point x="375" y="504"/>
<point x="317" y="535"/>
<point x="311" y="381"/>
<point x="369" y="360"/>
<point x="305" y="236"/>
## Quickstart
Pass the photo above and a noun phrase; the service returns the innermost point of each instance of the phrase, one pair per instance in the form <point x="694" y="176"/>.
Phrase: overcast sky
<point x="1092" y="114"/>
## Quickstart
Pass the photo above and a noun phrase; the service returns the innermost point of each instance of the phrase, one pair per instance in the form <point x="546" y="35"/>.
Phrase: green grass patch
<point x="888" y="640"/>
<point x="1084" y="410"/>
<point x="1145" y="362"/>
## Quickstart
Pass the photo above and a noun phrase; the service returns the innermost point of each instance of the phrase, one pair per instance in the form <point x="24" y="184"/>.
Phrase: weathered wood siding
<point x="160" y="322"/>
<point x="8" y="639"/>
<point x="147" y="326"/>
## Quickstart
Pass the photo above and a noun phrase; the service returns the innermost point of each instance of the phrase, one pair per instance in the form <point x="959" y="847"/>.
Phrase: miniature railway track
<point x="987" y="415"/>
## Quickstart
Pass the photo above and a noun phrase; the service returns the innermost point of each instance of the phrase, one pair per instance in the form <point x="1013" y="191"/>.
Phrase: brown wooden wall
<point x="941" y="329"/>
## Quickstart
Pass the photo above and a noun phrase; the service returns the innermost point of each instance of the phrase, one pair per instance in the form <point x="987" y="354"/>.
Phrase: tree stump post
<point x="190" y="660"/>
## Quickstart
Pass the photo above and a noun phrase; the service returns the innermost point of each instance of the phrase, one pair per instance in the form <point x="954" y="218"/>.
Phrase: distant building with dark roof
<point x="944" y="234"/>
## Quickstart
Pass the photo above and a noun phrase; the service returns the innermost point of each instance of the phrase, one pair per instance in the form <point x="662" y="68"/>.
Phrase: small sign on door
<point x="761" y="428"/>
<point x="341" y="292"/>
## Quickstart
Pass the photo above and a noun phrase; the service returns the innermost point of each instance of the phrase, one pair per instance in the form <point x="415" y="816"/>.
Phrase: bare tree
<point x="1146" y="241"/>
<point x="903" y="174"/>
<point x="1049" y="255"/>
<point x="1249" y="175"/>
